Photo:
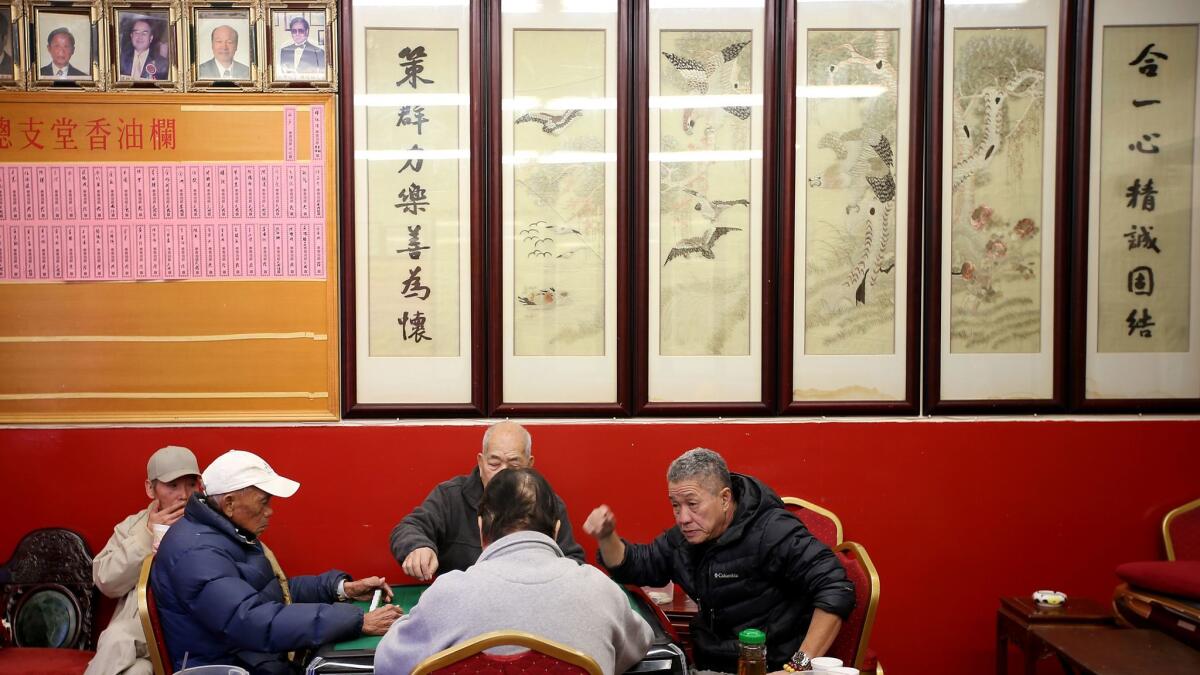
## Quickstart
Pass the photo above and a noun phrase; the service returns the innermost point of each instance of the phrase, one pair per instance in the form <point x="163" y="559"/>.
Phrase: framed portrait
<point x="709" y="321"/>
<point x="223" y="46"/>
<point x="412" y="260"/>
<point x="144" y="47"/>
<point x="301" y="45"/>
<point x="850" y="245"/>
<point x="560" y="320"/>
<point x="66" y="49"/>
<point x="996" y="284"/>
<point x="12" y="70"/>
<point x="1137" y="322"/>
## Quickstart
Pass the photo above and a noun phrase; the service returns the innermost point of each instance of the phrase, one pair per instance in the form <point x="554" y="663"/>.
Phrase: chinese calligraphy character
<point x="414" y="164"/>
<point x="1141" y="238"/>
<point x="129" y="135"/>
<point x="1146" y="191"/>
<point x="417" y="321"/>
<point x="1147" y="138"/>
<point x="413" y="199"/>
<point x="414" y="243"/>
<point x="98" y="134"/>
<point x="1142" y="325"/>
<point x="5" y="132"/>
<point x="1139" y="103"/>
<point x="1141" y="281"/>
<point x="63" y="128"/>
<point x="32" y="131"/>
<point x="1148" y="67"/>
<point x="162" y="133"/>
<point x="412" y="61"/>
<point x="412" y="115"/>
<point x="412" y="285"/>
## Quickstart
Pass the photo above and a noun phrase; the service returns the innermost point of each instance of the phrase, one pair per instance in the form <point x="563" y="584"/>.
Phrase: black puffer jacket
<point x="766" y="571"/>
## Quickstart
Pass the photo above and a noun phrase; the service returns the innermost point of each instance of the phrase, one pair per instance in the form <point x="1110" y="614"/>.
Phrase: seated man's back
<point x="521" y="582"/>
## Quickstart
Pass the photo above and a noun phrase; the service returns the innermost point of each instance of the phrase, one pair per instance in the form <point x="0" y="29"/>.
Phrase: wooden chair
<point x="543" y="656"/>
<point x="49" y="604"/>
<point x="1181" y="532"/>
<point x="853" y="640"/>
<point x="823" y="523"/>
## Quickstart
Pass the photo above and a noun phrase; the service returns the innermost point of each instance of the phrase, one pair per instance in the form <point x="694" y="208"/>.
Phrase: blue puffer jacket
<point x="219" y="601"/>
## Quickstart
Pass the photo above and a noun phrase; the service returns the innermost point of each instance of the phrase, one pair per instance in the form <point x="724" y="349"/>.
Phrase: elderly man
<point x="442" y="534"/>
<point x="222" y="66"/>
<point x="301" y="57"/>
<point x="521" y="582"/>
<point x="219" y="594"/>
<point x="171" y="478"/>
<point x="743" y="557"/>
<point x="139" y="57"/>
<point x="61" y="46"/>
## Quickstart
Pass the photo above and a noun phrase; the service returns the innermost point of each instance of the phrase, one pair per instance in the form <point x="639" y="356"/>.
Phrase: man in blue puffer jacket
<point x="219" y="600"/>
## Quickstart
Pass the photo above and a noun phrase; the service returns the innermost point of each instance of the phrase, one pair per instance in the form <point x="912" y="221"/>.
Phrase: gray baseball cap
<point x="171" y="462"/>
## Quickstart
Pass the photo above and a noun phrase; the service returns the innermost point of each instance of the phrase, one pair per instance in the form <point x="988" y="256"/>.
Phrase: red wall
<point x="954" y="514"/>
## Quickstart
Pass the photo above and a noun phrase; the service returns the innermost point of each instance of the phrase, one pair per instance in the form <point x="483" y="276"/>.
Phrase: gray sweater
<point x="521" y="582"/>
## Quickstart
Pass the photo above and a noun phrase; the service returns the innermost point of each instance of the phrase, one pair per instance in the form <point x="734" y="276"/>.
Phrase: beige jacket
<point x="122" y="646"/>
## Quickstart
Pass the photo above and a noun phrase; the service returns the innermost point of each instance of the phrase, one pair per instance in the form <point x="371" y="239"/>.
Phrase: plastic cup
<point x="213" y="670"/>
<point x="843" y="670"/>
<point x="825" y="663"/>
<point x="159" y="530"/>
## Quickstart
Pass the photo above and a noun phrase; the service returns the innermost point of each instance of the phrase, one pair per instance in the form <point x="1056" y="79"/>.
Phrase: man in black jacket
<point x="442" y="534"/>
<point x="743" y="557"/>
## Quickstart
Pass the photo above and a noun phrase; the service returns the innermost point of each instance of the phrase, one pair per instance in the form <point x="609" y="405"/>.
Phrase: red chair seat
<point x="43" y="661"/>
<point x="1177" y="577"/>
<point x="510" y="664"/>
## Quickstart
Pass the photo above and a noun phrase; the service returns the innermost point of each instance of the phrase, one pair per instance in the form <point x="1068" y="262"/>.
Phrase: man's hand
<point x="601" y="523"/>
<point x="421" y="564"/>
<point x="163" y="516"/>
<point x="364" y="589"/>
<point x="378" y="622"/>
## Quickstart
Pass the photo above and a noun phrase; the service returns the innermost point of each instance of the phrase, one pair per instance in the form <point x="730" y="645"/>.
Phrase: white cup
<point x="825" y="663"/>
<point x="159" y="530"/>
<point x="843" y="670"/>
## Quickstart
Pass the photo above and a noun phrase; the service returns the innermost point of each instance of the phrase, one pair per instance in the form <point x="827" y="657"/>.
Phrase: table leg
<point x="1001" y="648"/>
<point x="1031" y="653"/>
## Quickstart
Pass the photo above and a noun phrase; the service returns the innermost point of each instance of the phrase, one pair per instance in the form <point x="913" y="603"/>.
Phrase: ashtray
<point x="1049" y="598"/>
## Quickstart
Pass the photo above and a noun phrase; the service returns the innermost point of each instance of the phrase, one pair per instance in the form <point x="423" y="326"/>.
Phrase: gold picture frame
<point x="66" y="50"/>
<point x="310" y="63"/>
<point x="13" y="34"/>
<point x="154" y="28"/>
<point x="226" y="29"/>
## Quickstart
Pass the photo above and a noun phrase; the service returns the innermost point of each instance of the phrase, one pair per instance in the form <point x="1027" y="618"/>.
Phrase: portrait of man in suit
<point x="60" y="44"/>
<point x="300" y="59"/>
<point x="7" y="47"/>
<point x="223" y="65"/>
<point x="141" y="55"/>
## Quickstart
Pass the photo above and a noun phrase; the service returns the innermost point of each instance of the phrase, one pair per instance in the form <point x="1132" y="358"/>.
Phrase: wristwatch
<point x="800" y="661"/>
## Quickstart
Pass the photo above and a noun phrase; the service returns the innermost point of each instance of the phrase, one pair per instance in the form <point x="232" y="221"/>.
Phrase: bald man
<point x="222" y="65"/>
<point x="442" y="534"/>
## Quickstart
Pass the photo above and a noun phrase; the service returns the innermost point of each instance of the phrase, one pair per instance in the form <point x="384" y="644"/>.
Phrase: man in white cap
<point x="222" y="600"/>
<point x="171" y="477"/>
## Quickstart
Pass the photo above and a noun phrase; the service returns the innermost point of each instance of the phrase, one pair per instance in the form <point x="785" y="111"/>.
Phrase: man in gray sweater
<point x="441" y="534"/>
<point x="521" y="582"/>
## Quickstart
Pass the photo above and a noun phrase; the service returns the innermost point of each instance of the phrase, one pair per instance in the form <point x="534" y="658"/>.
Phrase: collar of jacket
<point x="472" y="490"/>
<point x="198" y="510"/>
<point x="526" y="540"/>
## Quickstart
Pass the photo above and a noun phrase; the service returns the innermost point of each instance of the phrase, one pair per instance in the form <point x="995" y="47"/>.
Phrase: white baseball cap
<point x="239" y="469"/>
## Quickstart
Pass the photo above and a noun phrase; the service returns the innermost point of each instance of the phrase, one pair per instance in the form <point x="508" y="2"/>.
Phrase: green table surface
<point x="407" y="596"/>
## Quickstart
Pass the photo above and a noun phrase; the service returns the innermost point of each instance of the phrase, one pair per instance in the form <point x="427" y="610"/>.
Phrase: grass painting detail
<point x="850" y="207"/>
<point x="998" y="107"/>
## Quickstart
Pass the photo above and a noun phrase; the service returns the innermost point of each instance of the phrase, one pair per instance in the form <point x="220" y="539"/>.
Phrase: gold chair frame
<point x="143" y="582"/>
<point x="856" y="551"/>
<point x="499" y="638"/>
<point x="803" y="503"/>
<point x="1166" y="524"/>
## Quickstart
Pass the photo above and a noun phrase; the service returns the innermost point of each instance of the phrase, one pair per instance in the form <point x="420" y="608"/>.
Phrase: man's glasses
<point x="299" y="30"/>
<point x="140" y="33"/>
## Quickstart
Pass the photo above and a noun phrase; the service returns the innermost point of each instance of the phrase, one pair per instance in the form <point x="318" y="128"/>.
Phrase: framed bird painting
<point x="851" y="227"/>
<point x="1135" y="337"/>
<point x="706" y="335"/>
<point x="558" y="317"/>
<point x="996" y="304"/>
<point x="412" y="262"/>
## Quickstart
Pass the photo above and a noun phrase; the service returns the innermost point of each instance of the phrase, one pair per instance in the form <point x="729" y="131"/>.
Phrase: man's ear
<point x="150" y="490"/>
<point x="531" y="461"/>
<point x="226" y="505"/>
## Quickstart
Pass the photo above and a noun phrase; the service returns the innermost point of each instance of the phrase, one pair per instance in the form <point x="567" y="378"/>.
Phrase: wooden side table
<point x="1018" y="615"/>
<point x="1105" y="650"/>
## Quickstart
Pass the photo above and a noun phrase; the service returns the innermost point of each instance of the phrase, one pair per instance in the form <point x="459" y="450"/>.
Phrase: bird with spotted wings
<point x="703" y="244"/>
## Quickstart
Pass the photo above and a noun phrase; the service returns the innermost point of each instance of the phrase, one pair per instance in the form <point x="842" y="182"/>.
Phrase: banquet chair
<point x="1181" y="532"/>
<point x="543" y="656"/>
<point x="156" y="643"/>
<point x="48" y="605"/>
<point x="853" y="640"/>
<point x="823" y="523"/>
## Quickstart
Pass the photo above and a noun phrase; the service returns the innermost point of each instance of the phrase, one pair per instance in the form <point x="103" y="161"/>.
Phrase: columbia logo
<point x="725" y="575"/>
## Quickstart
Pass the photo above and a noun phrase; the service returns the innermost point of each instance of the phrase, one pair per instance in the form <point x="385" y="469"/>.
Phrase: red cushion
<point x="1173" y="577"/>
<point x="43" y="661"/>
<point x="510" y="664"/>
